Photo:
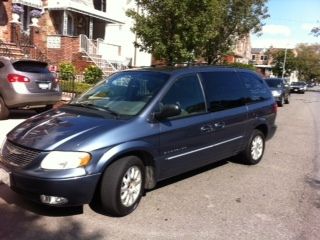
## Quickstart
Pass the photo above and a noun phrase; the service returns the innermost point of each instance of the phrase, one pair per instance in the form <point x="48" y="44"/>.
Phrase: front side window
<point x="258" y="91"/>
<point x="187" y="94"/>
<point x="224" y="90"/>
<point x="124" y="94"/>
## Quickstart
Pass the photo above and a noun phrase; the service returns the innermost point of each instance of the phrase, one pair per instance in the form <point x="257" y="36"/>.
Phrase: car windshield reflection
<point x="123" y="94"/>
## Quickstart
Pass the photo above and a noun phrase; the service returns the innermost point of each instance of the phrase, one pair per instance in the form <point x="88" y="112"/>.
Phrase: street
<point x="276" y="199"/>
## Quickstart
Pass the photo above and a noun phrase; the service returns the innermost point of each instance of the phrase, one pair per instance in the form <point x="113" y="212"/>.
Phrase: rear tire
<point x="286" y="101"/>
<point x="122" y="186"/>
<point x="4" y="111"/>
<point x="255" y="148"/>
<point x="281" y="102"/>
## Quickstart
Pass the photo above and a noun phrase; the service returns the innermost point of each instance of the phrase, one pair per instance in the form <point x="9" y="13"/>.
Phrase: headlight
<point x="65" y="160"/>
<point x="276" y="93"/>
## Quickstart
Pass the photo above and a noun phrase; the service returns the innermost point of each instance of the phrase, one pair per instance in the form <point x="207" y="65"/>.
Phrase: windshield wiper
<point x="95" y="107"/>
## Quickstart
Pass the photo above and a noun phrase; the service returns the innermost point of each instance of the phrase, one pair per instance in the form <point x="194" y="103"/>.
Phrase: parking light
<point x="52" y="200"/>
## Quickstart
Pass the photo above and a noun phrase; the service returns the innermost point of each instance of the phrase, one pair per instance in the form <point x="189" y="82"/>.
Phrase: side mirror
<point x="168" y="110"/>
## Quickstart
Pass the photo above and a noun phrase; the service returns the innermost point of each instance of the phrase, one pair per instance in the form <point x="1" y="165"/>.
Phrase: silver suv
<point x="26" y="84"/>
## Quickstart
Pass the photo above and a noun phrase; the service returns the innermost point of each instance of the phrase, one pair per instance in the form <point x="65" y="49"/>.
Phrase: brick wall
<point x="5" y="18"/>
<point x="69" y="47"/>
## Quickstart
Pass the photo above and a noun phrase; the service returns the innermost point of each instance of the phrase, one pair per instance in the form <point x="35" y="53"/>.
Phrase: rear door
<point x="226" y="97"/>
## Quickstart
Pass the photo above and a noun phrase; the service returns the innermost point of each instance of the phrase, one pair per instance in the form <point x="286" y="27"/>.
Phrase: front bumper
<point x="78" y="190"/>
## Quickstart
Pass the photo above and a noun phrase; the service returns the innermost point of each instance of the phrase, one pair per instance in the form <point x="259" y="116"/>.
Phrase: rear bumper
<point x="272" y="131"/>
<point x="298" y="90"/>
<point x="34" y="99"/>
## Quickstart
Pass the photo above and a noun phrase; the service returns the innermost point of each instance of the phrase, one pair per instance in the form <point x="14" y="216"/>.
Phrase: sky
<point x="290" y="23"/>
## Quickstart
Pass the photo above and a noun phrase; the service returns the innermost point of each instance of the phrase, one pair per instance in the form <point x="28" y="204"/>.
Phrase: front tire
<point x="122" y="186"/>
<point x="4" y="111"/>
<point x="255" y="148"/>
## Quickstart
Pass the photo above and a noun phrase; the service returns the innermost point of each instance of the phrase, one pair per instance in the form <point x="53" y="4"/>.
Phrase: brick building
<point x="78" y="31"/>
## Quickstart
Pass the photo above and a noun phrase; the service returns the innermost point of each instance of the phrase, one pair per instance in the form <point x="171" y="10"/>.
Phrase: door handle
<point x="219" y="125"/>
<point x="206" y="128"/>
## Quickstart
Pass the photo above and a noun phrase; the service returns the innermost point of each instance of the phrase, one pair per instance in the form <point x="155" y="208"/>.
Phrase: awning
<point x="82" y="9"/>
<point x="30" y="3"/>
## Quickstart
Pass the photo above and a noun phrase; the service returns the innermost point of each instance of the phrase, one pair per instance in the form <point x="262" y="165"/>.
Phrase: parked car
<point x="26" y="84"/>
<point x="280" y="90"/>
<point x="136" y="128"/>
<point x="298" y="87"/>
<point x="311" y="85"/>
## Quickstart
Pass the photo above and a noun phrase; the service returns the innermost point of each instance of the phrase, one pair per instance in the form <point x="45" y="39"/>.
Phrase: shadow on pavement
<point x="19" y="224"/>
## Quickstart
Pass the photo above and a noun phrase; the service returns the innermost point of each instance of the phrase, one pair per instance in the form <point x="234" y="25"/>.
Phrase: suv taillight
<point x="17" y="78"/>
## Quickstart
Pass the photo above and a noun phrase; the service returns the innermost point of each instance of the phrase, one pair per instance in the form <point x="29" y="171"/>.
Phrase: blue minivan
<point x="136" y="128"/>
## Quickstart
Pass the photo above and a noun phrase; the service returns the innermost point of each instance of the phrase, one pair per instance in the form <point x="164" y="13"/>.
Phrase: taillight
<point x="17" y="78"/>
<point x="275" y="108"/>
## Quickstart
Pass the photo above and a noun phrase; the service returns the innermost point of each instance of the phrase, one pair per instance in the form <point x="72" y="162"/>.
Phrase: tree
<point x="308" y="61"/>
<point x="278" y="57"/>
<point x="169" y="29"/>
<point x="180" y="31"/>
<point x="316" y="31"/>
<point x="237" y="18"/>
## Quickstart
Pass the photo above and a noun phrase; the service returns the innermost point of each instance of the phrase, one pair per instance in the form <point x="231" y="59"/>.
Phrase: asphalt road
<point x="277" y="199"/>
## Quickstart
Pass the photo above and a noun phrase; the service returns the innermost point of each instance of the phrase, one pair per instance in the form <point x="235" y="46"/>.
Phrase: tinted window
<point x="224" y="90"/>
<point x="31" y="67"/>
<point x="274" y="83"/>
<point x="257" y="88"/>
<point x="187" y="93"/>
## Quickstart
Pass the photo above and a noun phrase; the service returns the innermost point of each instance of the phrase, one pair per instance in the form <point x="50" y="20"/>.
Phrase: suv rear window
<point x="31" y="67"/>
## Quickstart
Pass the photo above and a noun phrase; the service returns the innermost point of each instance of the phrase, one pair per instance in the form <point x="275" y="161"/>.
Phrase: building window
<point x="70" y="24"/>
<point x="253" y="57"/>
<point x="100" y="5"/>
<point x="265" y="58"/>
<point x="261" y="58"/>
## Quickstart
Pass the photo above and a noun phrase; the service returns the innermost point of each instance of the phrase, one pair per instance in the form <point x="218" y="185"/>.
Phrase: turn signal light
<point x="17" y="78"/>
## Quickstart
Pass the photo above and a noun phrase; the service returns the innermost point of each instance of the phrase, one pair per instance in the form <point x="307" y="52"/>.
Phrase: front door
<point x="184" y="138"/>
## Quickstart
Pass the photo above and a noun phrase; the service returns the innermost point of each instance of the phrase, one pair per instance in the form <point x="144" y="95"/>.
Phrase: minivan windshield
<point x="123" y="94"/>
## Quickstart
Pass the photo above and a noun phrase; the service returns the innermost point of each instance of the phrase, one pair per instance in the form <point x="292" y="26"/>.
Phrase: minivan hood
<point x="61" y="129"/>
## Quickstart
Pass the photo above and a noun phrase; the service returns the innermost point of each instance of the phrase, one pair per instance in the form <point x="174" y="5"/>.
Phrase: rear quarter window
<point x="31" y="67"/>
<point x="257" y="88"/>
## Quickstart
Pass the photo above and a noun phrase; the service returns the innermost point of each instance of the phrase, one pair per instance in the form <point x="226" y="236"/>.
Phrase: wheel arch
<point x="138" y="149"/>
<point x="264" y="129"/>
<point x="147" y="160"/>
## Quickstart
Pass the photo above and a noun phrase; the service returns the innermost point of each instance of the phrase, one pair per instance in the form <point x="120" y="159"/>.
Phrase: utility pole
<point x="284" y="62"/>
